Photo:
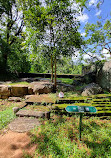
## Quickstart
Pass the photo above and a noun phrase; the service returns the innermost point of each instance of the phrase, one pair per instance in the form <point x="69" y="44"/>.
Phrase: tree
<point x="11" y="29"/>
<point x="98" y="38"/>
<point x="54" y="26"/>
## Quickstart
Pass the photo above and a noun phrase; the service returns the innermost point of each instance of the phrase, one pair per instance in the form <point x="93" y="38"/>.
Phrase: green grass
<point x="6" y="116"/>
<point x="59" y="138"/>
<point x="66" y="80"/>
<point x="23" y="83"/>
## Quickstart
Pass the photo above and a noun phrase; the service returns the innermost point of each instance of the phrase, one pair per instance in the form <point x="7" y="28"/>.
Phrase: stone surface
<point x="43" y="98"/>
<point x="23" y="124"/>
<point x="15" y="109"/>
<point x="4" y="91"/>
<point x="89" y="69"/>
<point x="91" y="89"/>
<point x="65" y="87"/>
<point x="104" y="76"/>
<point x="30" y="91"/>
<point x="16" y="99"/>
<point x="19" y="90"/>
<point x="31" y="113"/>
<point x="42" y="87"/>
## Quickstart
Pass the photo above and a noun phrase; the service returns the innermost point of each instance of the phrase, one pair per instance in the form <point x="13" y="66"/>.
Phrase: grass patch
<point x="36" y="107"/>
<point x="66" y="80"/>
<point x="59" y="138"/>
<point x="6" y="116"/>
<point x="22" y="83"/>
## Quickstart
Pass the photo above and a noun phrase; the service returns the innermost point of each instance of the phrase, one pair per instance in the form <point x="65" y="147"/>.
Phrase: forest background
<point x="48" y="35"/>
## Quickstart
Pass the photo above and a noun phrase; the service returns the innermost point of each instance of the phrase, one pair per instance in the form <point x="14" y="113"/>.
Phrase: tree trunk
<point x="55" y="76"/>
<point x="51" y="69"/>
<point x="4" y="66"/>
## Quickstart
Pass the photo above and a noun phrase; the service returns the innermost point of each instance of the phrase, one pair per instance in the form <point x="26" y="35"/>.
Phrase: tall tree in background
<point x="54" y="25"/>
<point x="98" y="39"/>
<point x="11" y="26"/>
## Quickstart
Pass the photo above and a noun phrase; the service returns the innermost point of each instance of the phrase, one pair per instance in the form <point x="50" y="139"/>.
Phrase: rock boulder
<point x="4" y="91"/>
<point x="19" y="90"/>
<point x="104" y="76"/>
<point x="42" y="87"/>
<point x="91" y="89"/>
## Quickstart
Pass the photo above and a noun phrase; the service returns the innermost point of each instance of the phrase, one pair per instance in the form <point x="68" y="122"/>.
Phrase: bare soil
<point x="15" y="145"/>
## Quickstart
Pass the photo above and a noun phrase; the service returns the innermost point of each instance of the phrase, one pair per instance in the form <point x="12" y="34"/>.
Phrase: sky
<point x="91" y="16"/>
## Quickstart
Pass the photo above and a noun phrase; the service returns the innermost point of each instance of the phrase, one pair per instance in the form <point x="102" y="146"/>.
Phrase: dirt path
<point x="13" y="145"/>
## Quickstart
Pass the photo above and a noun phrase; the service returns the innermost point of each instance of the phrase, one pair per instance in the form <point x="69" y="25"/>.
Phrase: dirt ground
<point x="15" y="145"/>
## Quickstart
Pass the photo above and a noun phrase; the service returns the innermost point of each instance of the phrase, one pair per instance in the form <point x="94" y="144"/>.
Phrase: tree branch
<point x="17" y="33"/>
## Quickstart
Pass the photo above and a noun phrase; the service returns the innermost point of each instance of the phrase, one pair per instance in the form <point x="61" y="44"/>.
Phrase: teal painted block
<point x="81" y="109"/>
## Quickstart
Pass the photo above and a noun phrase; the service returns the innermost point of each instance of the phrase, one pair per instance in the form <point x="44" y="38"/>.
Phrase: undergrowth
<point x="6" y="116"/>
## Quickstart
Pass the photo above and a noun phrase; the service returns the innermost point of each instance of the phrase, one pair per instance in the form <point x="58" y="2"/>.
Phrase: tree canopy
<point x="54" y="26"/>
<point x="98" y="38"/>
<point x="11" y="36"/>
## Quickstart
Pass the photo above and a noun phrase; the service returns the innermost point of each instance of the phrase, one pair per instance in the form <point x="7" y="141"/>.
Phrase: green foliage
<point x="65" y="65"/>
<point x="13" y="56"/>
<point x="98" y="38"/>
<point x="53" y="30"/>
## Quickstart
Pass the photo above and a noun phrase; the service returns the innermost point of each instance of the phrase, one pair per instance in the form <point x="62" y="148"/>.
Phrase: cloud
<point x="98" y="13"/>
<point x="105" y="53"/>
<point x="83" y="18"/>
<point x="92" y="2"/>
<point x="83" y="34"/>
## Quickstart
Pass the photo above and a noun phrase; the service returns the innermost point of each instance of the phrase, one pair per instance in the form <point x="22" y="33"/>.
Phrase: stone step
<point x="23" y="124"/>
<point x="31" y="113"/>
<point x="40" y="99"/>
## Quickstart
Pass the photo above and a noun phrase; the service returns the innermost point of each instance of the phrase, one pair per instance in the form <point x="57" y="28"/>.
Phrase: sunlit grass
<point x="6" y="116"/>
<point x="66" y="80"/>
<point x="59" y="137"/>
<point x="22" y="83"/>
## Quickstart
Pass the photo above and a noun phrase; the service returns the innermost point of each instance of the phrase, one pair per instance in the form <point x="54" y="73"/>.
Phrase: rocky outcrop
<point x="19" y="90"/>
<point x="91" y="89"/>
<point x="4" y="91"/>
<point x="104" y="76"/>
<point x="42" y="87"/>
<point x="65" y="87"/>
<point x="30" y="91"/>
<point x="15" y="109"/>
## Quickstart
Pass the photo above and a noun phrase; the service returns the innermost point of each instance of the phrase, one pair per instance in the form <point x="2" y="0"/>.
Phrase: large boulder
<point x="104" y="76"/>
<point x="4" y="91"/>
<point x="91" y="89"/>
<point x="42" y="87"/>
<point x="65" y="87"/>
<point x="19" y="90"/>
